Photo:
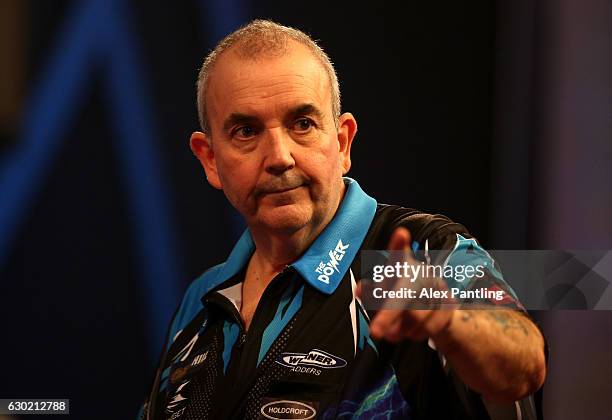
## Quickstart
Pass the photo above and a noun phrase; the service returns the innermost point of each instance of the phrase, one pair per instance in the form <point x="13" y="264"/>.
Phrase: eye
<point x="303" y="125"/>
<point x="245" y="132"/>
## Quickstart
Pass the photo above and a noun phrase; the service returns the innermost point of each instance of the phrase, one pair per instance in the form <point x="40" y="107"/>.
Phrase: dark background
<point x="497" y="114"/>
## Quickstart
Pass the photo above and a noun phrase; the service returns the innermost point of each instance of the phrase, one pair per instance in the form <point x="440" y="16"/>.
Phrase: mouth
<point x="283" y="190"/>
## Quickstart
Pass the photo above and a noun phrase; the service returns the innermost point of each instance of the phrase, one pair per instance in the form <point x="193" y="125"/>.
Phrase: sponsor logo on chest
<point x="311" y="362"/>
<point x="288" y="409"/>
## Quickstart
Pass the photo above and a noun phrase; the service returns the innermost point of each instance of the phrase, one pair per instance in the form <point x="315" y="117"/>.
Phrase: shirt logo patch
<point x="314" y="358"/>
<point x="327" y="269"/>
<point x="199" y="359"/>
<point x="288" y="409"/>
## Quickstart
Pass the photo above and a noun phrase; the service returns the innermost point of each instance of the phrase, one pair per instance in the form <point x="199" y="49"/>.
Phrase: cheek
<point x="236" y="177"/>
<point x="237" y="192"/>
<point x="330" y="163"/>
<point x="325" y="158"/>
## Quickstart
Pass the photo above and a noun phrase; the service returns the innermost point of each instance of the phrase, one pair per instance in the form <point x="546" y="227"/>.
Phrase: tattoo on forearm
<point x="504" y="319"/>
<point x="507" y="320"/>
<point x="467" y="316"/>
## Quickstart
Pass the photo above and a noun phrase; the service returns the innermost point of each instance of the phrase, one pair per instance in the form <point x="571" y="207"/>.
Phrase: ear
<point x="201" y="146"/>
<point x="347" y="128"/>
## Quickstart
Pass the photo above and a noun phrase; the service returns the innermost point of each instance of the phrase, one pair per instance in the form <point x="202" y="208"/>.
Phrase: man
<point x="278" y="330"/>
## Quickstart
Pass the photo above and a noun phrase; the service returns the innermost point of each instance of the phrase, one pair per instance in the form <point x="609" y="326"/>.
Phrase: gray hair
<point x="255" y="39"/>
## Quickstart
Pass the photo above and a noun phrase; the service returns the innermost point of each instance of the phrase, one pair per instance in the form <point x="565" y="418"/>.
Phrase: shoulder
<point x="440" y="231"/>
<point x="191" y="304"/>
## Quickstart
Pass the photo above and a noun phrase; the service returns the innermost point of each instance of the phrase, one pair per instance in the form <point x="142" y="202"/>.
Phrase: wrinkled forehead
<point x="267" y="83"/>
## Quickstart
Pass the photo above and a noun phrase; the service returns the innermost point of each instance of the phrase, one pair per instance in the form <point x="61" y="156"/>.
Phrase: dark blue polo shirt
<point x="308" y="353"/>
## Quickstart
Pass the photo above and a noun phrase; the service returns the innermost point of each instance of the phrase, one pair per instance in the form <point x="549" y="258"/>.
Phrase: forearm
<point x="498" y="352"/>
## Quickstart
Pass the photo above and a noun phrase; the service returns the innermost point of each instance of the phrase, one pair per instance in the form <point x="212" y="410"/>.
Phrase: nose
<point x="278" y="151"/>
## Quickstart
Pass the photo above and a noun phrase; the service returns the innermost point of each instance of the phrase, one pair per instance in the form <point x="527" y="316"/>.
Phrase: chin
<point x="286" y="219"/>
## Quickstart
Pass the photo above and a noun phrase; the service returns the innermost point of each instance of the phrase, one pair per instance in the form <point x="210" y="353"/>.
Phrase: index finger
<point x="400" y="240"/>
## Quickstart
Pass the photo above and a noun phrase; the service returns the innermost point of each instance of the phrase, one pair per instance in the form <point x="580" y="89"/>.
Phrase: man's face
<point x="275" y="149"/>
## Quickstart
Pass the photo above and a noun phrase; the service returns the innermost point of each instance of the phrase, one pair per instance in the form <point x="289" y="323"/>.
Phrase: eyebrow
<point x="237" y="118"/>
<point x="306" y="109"/>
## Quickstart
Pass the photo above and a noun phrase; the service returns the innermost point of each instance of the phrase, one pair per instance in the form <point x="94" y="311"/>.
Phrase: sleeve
<point x="149" y="401"/>
<point x="142" y="413"/>
<point x="189" y="309"/>
<point x="469" y="270"/>
<point x="422" y="373"/>
<point x="475" y="276"/>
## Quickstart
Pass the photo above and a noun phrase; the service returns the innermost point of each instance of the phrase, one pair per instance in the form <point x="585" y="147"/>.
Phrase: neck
<point x="275" y="250"/>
